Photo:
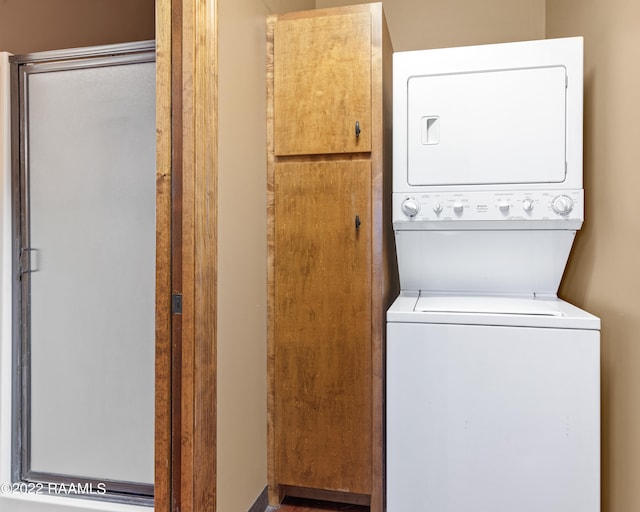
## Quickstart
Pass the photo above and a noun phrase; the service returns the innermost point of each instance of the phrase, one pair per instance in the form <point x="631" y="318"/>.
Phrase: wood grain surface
<point x="186" y="258"/>
<point x="322" y="84"/>
<point x="303" y="505"/>
<point x="322" y="325"/>
<point x="289" y="170"/>
<point x="163" y="404"/>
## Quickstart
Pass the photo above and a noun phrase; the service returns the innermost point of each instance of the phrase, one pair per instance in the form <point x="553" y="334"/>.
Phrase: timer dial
<point x="562" y="205"/>
<point x="410" y="207"/>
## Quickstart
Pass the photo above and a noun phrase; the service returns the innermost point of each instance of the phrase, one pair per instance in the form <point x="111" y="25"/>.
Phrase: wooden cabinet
<point x="331" y="262"/>
<point x="322" y="84"/>
<point x="322" y="322"/>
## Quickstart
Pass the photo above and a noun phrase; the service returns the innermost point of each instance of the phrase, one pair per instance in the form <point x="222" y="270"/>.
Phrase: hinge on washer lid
<point x="537" y="295"/>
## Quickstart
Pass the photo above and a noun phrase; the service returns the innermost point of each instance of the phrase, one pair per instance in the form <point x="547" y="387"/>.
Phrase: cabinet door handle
<point x="358" y="222"/>
<point x="357" y="129"/>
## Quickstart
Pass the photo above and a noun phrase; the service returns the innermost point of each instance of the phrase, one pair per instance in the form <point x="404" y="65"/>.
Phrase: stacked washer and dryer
<point x="493" y="382"/>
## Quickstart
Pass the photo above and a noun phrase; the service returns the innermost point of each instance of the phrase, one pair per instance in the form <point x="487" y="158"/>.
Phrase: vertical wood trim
<point x="186" y="39"/>
<point x="377" y="267"/>
<point x="187" y="128"/>
<point x="391" y="279"/>
<point x="162" y="490"/>
<point x="205" y="239"/>
<point x="275" y="494"/>
<point x="176" y="250"/>
<point x="199" y="255"/>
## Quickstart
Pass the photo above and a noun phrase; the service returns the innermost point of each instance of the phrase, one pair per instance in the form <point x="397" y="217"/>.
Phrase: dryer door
<point x="488" y="127"/>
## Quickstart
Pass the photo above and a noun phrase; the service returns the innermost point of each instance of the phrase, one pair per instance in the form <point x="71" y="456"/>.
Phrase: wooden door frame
<point x="186" y="258"/>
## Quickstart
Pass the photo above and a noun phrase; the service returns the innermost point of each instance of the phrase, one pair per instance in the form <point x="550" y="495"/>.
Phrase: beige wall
<point x="242" y="355"/>
<point x="603" y="275"/>
<point x="35" y="25"/>
<point x="241" y="409"/>
<point x="420" y="24"/>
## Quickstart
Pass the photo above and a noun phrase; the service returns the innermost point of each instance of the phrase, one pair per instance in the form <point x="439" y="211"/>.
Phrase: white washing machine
<point x="493" y="382"/>
<point x="493" y="405"/>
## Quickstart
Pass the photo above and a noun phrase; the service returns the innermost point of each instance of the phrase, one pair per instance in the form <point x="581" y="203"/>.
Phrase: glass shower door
<point x="86" y="268"/>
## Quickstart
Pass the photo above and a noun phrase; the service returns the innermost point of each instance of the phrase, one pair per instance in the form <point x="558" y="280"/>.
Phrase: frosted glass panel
<point x="91" y="165"/>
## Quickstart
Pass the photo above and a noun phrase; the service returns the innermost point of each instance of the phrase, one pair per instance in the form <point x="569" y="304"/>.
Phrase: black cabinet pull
<point x="357" y="129"/>
<point x="358" y="222"/>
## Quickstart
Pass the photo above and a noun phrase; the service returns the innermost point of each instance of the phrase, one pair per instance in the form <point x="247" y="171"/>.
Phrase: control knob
<point x="527" y="204"/>
<point x="504" y="206"/>
<point x="458" y="207"/>
<point x="562" y="205"/>
<point x="437" y="207"/>
<point x="410" y="207"/>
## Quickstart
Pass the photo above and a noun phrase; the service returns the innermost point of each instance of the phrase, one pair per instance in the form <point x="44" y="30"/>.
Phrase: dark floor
<point x="300" y="505"/>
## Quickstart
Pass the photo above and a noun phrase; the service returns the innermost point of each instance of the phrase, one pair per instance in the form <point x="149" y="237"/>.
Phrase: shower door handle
<point x="28" y="260"/>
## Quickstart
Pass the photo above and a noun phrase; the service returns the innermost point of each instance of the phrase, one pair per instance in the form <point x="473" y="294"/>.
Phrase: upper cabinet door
<point x="322" y="85"/>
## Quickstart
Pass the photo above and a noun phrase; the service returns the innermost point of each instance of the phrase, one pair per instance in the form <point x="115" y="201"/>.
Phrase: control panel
<point x="530" y="205"/>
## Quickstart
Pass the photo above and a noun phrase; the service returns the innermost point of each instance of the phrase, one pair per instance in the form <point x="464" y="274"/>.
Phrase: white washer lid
<point x="491" y="310"/>
<point x="488" y="305"/>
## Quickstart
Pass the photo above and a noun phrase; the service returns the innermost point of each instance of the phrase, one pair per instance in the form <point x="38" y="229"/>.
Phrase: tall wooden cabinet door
<point x="323" y="325"/>
<point x="322" y="84"/>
